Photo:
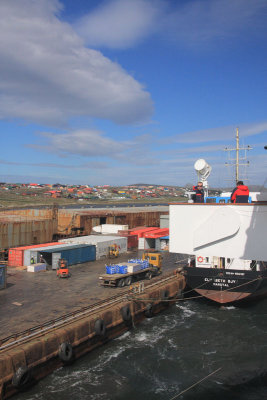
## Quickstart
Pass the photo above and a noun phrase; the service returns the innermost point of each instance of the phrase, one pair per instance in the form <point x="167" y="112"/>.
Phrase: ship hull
<point x="227" y="286"/>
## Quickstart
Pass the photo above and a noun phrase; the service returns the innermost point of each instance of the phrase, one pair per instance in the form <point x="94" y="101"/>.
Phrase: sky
<point x="120" y="92"/>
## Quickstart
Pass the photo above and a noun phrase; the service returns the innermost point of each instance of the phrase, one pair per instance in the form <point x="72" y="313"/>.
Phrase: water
<point x="164" y="355"/>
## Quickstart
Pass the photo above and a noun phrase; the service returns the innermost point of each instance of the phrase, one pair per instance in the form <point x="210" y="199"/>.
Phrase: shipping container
<point x="33" y="251"/>
<point x="132" y="240"/>
<point x="141" y="232"/>
<point x="141" y="243"/>
<point x="110" y="228"/>
<point x="164" y="221"/>
<point x="156" y="233"/>
<point x="73" y="254"/>
<point x="16" y="254"/>
<point x="102" y="243"/>
<point x="150" y="238"/>
<point x="162" y="243"/>
<point x="2" y="276"/>
<point x="149" y="243"/>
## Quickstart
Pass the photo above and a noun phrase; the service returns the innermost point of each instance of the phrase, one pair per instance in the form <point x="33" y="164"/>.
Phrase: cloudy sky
<point x="129" y="91"/>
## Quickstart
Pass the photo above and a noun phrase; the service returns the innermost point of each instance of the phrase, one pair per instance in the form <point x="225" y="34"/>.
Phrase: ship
<point x="227" y="280"/>
<point x="226" y="246"/>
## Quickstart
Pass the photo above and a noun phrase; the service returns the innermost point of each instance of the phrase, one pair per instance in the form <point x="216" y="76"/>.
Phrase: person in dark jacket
<point x="240" y="193"/>
<point x="198" y="197"/>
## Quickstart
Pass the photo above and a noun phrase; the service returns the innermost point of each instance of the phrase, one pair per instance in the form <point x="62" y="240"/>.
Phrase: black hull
<point x="227" y="286"/>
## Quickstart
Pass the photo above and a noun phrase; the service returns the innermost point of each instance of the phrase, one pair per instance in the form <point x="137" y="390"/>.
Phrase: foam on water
<point x="164" y="355"/>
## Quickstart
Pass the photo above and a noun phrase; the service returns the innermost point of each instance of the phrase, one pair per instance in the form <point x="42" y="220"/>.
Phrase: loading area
<point x="54" y="321"/>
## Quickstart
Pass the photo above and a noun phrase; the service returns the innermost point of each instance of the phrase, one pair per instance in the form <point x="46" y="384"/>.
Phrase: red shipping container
<point x="16" y="254"/>
<point x="132" y="240"/>
<point x="140" y="232"/>
<point x="157" y="233"/>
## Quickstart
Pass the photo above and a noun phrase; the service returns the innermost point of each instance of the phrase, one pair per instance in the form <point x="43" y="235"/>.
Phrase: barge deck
<point x="33" y="298"/>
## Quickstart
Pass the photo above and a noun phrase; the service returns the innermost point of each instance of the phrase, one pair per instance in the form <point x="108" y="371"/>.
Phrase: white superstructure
<point x="223" y="230"/>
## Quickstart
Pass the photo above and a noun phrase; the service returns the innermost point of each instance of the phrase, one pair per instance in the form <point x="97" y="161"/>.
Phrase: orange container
<point x="16" y="254"/>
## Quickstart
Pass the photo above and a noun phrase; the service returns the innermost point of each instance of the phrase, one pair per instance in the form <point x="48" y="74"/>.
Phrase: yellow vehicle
<point x="113" y="251"/>
<point x="155" y="259"/>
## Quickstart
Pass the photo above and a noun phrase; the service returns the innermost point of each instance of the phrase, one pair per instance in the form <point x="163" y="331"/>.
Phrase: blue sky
<point x="128" y="91"/>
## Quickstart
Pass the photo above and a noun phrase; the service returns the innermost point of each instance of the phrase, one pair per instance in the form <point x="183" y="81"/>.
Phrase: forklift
<point x="63" y="269"/>
<point x="113" y="251"/>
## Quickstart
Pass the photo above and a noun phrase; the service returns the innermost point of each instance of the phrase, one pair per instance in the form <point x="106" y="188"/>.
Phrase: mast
<point x="236" y="160"/>
<point x="237" y="156"/>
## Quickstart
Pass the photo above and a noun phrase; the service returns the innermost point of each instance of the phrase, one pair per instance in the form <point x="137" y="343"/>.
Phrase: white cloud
<point x="219" y="134"/>
<point x="48" y="76"/>
<point x="93" y="143"/>
<point x="120" y="23"/>
<point x="194" y="23"/>
<point x="83" y="142"/>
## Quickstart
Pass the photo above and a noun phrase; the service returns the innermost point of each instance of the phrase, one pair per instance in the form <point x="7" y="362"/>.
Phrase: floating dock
<point x="37" y="349"/>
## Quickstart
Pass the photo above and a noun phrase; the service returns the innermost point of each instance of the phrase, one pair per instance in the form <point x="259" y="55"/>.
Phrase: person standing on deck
<point x="198" y="197"/>
<point x="240" y="193"/>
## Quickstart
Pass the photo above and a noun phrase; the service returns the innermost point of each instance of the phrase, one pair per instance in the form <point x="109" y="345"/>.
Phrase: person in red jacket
<point x="198" y="196"/>
<point x="240" y="193"/>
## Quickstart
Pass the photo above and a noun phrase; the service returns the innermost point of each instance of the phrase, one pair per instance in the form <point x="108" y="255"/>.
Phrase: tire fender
<point x="149" y="310"/>
<point x="22" y="378"/>
<point x="165" y="296"/>
<point x="100" y="327"/>
<point x="126" y="314"/>
<point x="65" y="353"/>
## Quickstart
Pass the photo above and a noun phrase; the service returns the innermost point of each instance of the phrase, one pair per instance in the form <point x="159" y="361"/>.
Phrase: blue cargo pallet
<point x="111" y="269"/>
<point x="123" y="269"/>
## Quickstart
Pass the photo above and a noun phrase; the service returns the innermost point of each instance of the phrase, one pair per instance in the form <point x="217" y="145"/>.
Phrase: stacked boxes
<point x="111" y="269"/>
<point x="131" y="266"/>
<point x="143" y="263"/>
<point x="123" y="269"/>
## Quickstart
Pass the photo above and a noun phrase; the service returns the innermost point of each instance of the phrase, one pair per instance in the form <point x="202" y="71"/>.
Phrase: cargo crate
<point x="111" y="269"/>
<point x="123" y="269"/>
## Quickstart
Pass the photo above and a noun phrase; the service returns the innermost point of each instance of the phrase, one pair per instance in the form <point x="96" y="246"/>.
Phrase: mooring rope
<point x="195" y="384"/>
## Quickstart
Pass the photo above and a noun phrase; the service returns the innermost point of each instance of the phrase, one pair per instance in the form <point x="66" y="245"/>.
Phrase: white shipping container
<point x="33" y="252"/>
<point x="110" y="228"/>
<point x="102" y="243"/>
<point x="164" y="221"/>
<point x="141" y="243"/>
<point x="36" y="267"/>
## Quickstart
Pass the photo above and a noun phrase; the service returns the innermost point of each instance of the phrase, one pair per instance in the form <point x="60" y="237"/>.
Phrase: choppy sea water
<point x="163" y="356"/>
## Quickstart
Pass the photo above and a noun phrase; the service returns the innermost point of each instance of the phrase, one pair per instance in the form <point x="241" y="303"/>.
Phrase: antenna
<point x="236" y="161"/>
<point x="203" y="170"/>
